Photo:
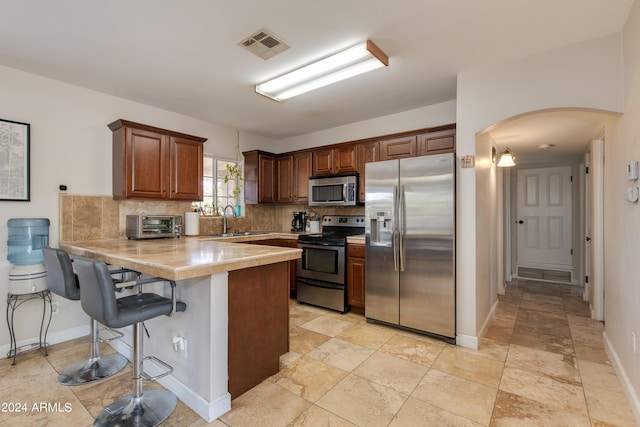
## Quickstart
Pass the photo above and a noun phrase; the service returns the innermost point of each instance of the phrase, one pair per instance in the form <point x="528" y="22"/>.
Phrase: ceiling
<point x="183" y="56"/>
<point x="559" y="136"/>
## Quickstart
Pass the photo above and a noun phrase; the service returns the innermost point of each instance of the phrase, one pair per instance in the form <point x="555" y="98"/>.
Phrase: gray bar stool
<point x="98" y="300"/>
<point x="63" y="281"/>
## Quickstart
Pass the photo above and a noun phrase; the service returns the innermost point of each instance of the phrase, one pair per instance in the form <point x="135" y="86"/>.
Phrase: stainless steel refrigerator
<point x="410" y="237"/>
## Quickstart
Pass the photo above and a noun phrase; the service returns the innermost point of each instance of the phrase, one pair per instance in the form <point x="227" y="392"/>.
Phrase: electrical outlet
<point x="55" y="307"/>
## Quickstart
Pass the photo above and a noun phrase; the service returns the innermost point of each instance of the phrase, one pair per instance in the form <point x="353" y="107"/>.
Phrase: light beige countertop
<point x="187" y="257"/>
<point x="358" y="240"/>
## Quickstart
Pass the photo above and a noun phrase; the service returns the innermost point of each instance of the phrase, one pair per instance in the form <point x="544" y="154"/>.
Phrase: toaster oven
<point x="153" y="226"/>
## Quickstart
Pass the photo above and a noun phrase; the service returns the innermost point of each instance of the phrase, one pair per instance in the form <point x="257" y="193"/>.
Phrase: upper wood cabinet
<point x="443" y="141"/>
<point x="268" y="179"/>
<point x="301" y="173"/>
<point x="260" y="177"/>
<point x="327" y="161"/>
<point x="322" y="162"/>
<point x="150" y="162"/>
<point x="285" y="178"/>
<point x="368" y="152"/>
<point x="398" y="148"/>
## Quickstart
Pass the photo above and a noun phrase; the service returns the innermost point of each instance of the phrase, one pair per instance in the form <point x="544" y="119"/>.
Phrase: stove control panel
<point x="343" y="220"/>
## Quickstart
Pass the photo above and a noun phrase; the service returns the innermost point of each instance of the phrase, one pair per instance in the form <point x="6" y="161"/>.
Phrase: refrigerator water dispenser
<point x="381" y="229"/>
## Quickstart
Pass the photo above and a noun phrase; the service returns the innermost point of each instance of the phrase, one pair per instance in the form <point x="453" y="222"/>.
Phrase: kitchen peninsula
<point x="236" y="322"/>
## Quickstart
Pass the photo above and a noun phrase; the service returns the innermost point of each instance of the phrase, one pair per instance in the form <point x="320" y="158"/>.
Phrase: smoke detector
<point x="264" y="44"/>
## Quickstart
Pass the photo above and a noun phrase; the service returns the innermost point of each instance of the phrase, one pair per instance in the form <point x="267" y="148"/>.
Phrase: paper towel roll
<point x="191" y="223"/>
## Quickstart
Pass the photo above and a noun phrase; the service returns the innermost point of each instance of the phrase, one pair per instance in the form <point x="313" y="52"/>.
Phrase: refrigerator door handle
<point x="394" y="235"/>
<point x="402" y="225"/>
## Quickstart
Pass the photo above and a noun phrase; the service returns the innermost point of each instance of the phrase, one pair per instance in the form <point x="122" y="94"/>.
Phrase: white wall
<point x="583" y="75"/>
<point x="425" y="117"/>
<point x="486" y="229"/>
<point x="622" y="223"/>
<point x="71" y="144"/>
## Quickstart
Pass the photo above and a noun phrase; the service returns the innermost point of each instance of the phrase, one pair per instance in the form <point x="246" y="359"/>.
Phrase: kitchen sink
<point x="250" y="233"/>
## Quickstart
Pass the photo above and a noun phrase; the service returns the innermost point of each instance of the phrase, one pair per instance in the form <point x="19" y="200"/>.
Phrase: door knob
<point x="588" y="239"/>
<point x="520" y="222"/>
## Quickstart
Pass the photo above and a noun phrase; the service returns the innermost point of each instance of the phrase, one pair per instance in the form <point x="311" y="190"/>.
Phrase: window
<point x="217" y="192"/>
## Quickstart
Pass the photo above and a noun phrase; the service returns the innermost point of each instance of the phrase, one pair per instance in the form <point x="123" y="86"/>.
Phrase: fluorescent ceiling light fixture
<point x="506" y="159"/>
<point x="355" y="60"/>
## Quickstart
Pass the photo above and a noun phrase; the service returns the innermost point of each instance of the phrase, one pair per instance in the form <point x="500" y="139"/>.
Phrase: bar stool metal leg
<point x="148" y="408"/>
<point x="94" y="369"/>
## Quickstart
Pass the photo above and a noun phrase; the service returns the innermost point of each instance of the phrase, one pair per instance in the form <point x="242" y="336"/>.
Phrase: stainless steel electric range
<point x="321" y="273"/>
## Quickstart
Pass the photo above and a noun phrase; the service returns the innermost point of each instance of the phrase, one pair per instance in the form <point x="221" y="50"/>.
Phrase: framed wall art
<point x="14" y="161"/>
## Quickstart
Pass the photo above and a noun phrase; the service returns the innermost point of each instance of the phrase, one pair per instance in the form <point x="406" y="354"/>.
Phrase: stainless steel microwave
<point x="333" y="190"/>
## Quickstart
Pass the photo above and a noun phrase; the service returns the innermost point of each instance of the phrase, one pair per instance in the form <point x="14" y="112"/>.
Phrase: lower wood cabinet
<point x="258" y="325"/>
<point x="283" y="243"/>
<point x="356" y="277"/>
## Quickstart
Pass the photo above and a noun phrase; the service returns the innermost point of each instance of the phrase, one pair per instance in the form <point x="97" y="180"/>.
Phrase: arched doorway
<point x="543" y="142"/>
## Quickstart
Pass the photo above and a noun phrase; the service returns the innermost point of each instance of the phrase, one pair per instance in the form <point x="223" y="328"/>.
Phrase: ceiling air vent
<point x="264" y="44"/>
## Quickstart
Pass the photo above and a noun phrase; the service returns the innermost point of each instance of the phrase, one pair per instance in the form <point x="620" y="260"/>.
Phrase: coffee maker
<point x="299" y="221"/>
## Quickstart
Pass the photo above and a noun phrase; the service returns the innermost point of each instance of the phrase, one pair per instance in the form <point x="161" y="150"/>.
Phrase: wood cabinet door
<point x="266" y="181"/>
<point x="437" y="142"/>
<point x="345" y="159"/>
<point x="323" y="162"/>
<point x="146" y="163"/>
<point x="186" y="169"/>
<point x="398" y="148"/>
<point x="368" y="152"/>
<point x="285" y="179"/>
<point x="301" y="174"/>
<point x="293" y="264"/>
<point x="356" y="277"/>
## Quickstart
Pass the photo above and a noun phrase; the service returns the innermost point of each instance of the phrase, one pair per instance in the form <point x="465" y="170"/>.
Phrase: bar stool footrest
<point x="169" y="369"/>
<point x="117" y="334"/>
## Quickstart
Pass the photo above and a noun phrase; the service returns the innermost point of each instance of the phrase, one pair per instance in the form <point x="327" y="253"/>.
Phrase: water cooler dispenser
<point x="27" y="236"/>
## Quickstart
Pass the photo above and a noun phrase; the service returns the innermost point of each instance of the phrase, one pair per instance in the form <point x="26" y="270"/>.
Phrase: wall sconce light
<point x="355" y="60"/>
<point x="506" y="159"/>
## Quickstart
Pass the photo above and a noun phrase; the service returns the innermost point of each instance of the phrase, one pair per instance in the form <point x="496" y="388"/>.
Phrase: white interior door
<point x="544" y="229"/>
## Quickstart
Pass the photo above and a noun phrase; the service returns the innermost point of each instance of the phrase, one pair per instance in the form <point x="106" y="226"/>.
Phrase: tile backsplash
<point x="102" y="217"/>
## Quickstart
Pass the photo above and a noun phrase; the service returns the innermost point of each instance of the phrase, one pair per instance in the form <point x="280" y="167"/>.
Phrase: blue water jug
<point x="27" y="236"/>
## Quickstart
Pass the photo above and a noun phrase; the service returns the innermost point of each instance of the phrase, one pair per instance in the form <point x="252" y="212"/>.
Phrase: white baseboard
<point x="627" y="386"/>
<point x="208" y="410"/>
<point x="52" y="338"/>
<point x="474" y="342"/>
<point x="467" y="341"/>
<point x="488" y="320"/>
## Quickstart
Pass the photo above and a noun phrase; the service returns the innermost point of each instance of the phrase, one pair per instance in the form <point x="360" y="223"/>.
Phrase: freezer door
<point x="427" y="240"/>
<point x="381" y="290"/>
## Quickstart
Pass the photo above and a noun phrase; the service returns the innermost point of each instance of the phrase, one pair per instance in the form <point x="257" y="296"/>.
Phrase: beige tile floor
<point x="541" y="363"/>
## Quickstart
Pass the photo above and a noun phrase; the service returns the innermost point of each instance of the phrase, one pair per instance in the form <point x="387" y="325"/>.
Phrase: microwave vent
<point x="264" y="44"/>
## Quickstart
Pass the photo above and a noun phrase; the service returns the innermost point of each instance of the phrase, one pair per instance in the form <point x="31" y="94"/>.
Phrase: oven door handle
<point x="307" y="244"/>
<point x="319" y="284"/>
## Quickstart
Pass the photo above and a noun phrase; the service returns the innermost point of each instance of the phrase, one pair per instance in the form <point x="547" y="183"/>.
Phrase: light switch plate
<point x="467" y="162"/>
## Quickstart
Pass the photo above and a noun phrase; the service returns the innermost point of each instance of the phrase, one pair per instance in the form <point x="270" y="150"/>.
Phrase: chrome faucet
<point x="224" y="217"/>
